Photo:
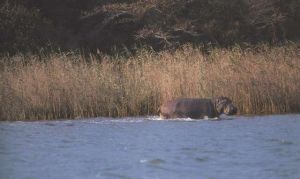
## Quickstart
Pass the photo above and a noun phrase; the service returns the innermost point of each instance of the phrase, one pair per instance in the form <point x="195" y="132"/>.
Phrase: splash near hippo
<point x="197" y="108"/>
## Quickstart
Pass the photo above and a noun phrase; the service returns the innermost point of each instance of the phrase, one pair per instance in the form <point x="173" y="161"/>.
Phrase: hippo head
<point x="223" y="105"/>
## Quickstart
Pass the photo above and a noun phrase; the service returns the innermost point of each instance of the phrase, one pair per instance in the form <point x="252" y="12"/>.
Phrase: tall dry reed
<point x="259" y="81"/>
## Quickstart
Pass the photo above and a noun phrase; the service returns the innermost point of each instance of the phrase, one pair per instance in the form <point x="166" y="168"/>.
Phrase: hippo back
<point x="192" y="108"/>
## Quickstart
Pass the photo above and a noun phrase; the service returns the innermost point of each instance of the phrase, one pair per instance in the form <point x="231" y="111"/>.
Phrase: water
<point x="247" y="147"/>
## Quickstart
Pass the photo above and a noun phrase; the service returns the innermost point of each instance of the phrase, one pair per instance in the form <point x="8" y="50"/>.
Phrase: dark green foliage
<point x="236" y="21"/>
<point x="60" y="12"/>
<point x="20" y="29"/>
<point x="291" y="10"/>
<point x="28" y="25"/>
<point x="223" y="20"/>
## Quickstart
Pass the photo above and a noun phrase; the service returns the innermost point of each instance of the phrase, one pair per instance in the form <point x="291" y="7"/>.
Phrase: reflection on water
<point x="247" y="147"/>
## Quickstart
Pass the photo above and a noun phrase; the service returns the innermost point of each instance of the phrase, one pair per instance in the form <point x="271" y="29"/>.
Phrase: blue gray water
<point x="137" y="148"/>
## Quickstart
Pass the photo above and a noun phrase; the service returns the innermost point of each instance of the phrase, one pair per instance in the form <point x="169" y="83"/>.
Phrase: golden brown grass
<point x="259" y="81"/>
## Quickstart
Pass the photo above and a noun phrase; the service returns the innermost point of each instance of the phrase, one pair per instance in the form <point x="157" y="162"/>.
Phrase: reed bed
<point x="263" y="80"/>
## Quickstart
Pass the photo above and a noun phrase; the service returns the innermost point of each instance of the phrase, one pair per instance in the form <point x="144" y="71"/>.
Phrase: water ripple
<point x="201" y="159"/>
<point x="156" y="161"/>
<point x="113" y="175"/>
<point x="280" y="141"/>
<point x="125" y="148"/>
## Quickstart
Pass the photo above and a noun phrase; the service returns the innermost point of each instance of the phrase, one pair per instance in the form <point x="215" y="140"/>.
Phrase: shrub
<point x="20" y="29"/>
<point x="224" y="20"/>
<point x="60" y="12"/>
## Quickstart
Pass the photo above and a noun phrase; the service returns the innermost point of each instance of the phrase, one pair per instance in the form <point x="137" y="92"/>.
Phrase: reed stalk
<point x="263" y="80"/>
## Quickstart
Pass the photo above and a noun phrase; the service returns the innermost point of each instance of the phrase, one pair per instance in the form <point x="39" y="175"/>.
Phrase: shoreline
<point x="149" y="118"/>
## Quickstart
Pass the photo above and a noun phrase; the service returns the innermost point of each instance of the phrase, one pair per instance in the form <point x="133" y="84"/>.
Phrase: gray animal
<point x="197" y="108"/>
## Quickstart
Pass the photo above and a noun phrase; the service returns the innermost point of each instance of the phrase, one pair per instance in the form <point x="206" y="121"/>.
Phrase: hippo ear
<point x="219" y="100"/>
<point x="219" y="108"/>
<point x="220" y="103"/>
<point x="216" y="102"/>
<point x="223" y="100"/>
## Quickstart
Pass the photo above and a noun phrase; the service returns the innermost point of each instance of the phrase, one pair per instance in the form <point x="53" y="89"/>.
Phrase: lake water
<point x="137" y="148"/>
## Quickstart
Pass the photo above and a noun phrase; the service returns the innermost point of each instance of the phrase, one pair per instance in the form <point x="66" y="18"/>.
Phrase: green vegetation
<point x="35" y="25"/>
<point x="263" y="80"/>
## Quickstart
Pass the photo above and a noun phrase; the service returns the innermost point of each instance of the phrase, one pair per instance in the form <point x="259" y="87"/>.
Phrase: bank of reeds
<point x="260" y="81"/>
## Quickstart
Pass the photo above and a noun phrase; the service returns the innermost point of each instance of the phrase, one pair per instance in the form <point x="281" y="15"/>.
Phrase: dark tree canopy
<point x="29" y="25"/>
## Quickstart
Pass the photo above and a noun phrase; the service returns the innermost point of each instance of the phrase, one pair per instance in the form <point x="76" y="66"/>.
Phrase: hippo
<point x="197" y="108"/>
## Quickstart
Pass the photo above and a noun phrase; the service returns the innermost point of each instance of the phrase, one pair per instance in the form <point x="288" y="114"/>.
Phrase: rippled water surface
<point x="246" y="147"/>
